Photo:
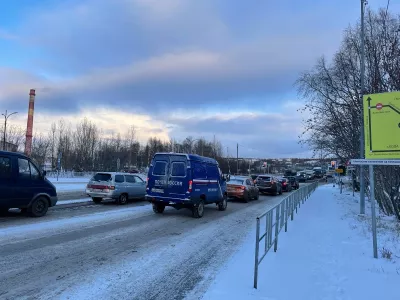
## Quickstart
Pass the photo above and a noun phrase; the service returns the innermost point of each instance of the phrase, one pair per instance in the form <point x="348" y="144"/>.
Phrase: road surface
<point x="88" y="251"/>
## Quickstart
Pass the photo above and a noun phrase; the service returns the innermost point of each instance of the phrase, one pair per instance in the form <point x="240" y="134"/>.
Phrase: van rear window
<point x="160" y="168"/>
<point x="101" y="177"/>
<point x="178" y="169"/>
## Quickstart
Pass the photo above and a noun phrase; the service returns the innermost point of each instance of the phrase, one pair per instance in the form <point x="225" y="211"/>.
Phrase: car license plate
<point x="97" y="190"/>
<point x="161" y="191"/>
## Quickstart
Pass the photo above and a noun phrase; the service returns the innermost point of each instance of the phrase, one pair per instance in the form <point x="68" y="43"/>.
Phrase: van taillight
<point x="190" y="186"/>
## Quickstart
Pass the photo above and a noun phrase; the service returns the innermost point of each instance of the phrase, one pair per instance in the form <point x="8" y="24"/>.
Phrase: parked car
<point x="185" y="181"/>
<point x="23" y="186"/>
<point x="302" y="176"/>
<point x="289" y="172"/>
<point x="242" y="187"/>
<point x="318" y="173"/>
<point x="294" y="182"/>
<point x="269" y="184"/>
<point x="253" y="178"/>
<point x="286" y="186"/>
<point x="118" y="187"/>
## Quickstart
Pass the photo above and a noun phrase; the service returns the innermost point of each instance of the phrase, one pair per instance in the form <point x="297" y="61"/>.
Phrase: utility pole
<point x="237" y="158"/>
<point x="6" y="116"/>
<point x="229" y="166"/>
<point x="362" y="82"/>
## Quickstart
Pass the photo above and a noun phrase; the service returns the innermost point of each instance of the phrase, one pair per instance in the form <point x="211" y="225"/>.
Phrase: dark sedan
<point x="294" y="182"/>
<point x="286" y="186"/>
<point x="269" y="184"/>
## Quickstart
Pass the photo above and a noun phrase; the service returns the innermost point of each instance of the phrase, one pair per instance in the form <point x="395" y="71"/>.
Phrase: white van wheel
<point x="198" y="211"/>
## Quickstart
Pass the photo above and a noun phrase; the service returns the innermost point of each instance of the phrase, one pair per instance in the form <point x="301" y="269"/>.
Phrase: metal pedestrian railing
<point x="275" y="219"/>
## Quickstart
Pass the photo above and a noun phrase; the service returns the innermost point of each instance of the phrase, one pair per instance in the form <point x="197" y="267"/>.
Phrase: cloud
<point x="256" y="133"/>
<point x="197" y="67"/>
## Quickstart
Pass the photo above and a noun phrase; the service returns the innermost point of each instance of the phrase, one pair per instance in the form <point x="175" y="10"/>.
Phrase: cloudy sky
<point x="172" y="68"/>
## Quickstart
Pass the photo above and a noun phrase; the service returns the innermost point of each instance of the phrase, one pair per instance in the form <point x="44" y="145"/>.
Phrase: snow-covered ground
<point x="326" y="254"/>
<point x="63" y="180"/>
<point x="62" y="202"/>
<point x="69" y="187"/>
<point x="10" y="234"/>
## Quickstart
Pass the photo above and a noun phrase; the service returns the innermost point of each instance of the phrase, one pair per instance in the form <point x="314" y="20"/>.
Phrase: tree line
<point x="332" y="92"/>
<point x="85" y="148"/>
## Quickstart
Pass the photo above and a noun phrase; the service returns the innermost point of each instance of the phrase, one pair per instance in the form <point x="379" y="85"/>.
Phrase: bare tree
<point x="332" y="92"/>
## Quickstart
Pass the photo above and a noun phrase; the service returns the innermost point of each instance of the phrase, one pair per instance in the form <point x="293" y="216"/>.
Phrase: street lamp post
<point x="6" y="116"/>
<point x="362" y="82"/>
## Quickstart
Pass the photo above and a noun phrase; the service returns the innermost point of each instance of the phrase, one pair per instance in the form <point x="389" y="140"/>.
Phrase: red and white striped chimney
<point x="29" y="126"/>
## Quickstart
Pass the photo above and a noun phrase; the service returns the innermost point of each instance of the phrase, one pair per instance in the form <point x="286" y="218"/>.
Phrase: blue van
<point x="185" y="181"/>
<point x="23" y="186"/>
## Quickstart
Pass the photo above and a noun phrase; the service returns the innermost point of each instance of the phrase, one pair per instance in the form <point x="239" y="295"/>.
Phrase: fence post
<point x="286" y="212"/>
<point x="267" y="244"/>
<point x="270" y="228"/>
<point x="292" y="207"/>
<point x="256" y="254"/>
<point x="276" y="229"/>
<point x="282" y="205"/>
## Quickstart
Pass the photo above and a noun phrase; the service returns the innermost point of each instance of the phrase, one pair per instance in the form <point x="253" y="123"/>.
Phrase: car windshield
<point x="264" y="178"/>
<point x="102" y="177"/>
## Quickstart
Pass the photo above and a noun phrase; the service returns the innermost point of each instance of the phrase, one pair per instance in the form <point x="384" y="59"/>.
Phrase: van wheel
<point x="223" y="204"/>
<point x="123" y="199"/>
<point x="158" y="208"/>
<point x="198" y="211"/>
<point x="39" y="207"/>
<point x="97" y="200"/>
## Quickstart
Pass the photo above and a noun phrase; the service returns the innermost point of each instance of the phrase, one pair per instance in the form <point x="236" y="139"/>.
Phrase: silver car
<point x="119" y="187"/>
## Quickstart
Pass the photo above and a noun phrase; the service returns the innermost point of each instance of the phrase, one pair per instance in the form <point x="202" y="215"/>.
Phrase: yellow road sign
<point x="382" y="125"/>
<point x="339" y="171"/>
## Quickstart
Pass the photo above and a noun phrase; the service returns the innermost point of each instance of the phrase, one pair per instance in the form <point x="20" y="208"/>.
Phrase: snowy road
<point x="87" y="251"/>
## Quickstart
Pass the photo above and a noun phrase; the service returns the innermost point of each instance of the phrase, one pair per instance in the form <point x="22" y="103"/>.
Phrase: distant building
<point x="9" y="147"/>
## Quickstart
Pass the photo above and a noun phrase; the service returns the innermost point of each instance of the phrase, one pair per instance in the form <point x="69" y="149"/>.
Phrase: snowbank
<point x="62" y="180"/>
<point x="46" y="228"/>
<point x="326" y="254"/>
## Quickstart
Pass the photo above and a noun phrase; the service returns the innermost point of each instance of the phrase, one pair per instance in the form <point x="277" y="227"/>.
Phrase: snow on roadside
<point x="61" y="202"/>
<point x="11" y="234"/>
<point x="69" y="180"/>
<point x="70" y="187"/>
<point x="326" y="254"/>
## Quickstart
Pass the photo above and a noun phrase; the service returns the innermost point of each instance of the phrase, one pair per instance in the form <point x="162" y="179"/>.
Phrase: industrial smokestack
<point x="29" y="126"/>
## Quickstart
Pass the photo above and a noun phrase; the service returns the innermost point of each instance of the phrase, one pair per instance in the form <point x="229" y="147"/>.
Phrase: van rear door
<point x="179" y="176"/>
<point x="158" y="176"/>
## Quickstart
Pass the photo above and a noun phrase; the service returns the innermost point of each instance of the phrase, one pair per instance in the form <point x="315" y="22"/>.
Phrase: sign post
<point x="340" y="171"/>
<point x="59" y="164"/>
<point x="371" y="163"/>
<point x="373" y="212"/>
